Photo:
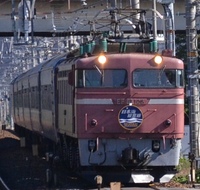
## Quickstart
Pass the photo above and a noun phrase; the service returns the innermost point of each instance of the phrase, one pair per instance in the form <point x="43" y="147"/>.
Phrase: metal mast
<point x="154" y="21"/>
<point x="193" y="83"/>
<point x="168" y="6"/>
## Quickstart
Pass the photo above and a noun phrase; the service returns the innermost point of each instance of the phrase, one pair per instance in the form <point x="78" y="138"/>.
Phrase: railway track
<point x="19" y="170"/>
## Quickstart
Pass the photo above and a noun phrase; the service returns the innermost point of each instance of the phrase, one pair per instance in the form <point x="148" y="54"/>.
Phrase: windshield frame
<point x="158" y="78"/>
<point x="104" y="78"/>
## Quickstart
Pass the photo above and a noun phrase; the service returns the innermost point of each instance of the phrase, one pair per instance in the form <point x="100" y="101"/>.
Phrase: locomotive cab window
<point x="154" y="78"/>
<point x="96" y="78"/>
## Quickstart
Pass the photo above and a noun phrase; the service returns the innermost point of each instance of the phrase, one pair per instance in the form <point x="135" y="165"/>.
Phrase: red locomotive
<point x="110" y="112"/>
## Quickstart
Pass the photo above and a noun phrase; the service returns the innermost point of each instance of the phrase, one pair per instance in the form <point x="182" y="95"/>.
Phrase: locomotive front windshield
<point x="141" y="78"/>
<point x="154" y="78"/>
<point x="112" y="78"/>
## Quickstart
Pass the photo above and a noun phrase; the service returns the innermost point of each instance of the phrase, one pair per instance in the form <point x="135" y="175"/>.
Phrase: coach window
<point x="108" y="78"/>
<point x="154" y="78"/>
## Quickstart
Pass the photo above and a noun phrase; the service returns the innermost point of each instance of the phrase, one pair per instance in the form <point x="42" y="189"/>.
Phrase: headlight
<point x="102" y="59"/>
<point x="158" y="59"/>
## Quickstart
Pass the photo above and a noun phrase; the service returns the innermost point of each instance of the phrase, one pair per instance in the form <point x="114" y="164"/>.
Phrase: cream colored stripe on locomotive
<point x="109" y="101"/>
<point x="166" y="101"/>
<point x="94" y="101"/>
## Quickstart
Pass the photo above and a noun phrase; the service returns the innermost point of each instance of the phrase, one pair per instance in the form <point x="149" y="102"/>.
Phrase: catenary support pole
<point x="193" y="83"/>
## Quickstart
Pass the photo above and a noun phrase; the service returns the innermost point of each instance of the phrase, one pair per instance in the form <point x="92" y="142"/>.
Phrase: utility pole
<point x="193" y="84"/>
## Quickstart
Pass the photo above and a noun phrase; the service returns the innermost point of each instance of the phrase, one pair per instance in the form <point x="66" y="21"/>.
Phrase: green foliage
<point x="181" y="179"/>
<point x="198" y="176"/>
<point x="183" y="171"/>
<point x="184" y="163"/>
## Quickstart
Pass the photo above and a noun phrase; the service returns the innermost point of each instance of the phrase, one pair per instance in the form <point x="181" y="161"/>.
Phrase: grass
<point x="183" y="171"/>
<point x="184" y="164"/>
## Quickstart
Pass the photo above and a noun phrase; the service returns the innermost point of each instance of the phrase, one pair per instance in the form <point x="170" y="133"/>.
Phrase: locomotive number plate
<point x="131" y="101"/>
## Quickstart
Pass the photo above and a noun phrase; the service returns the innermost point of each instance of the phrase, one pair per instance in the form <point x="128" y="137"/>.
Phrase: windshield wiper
<point x="101" y="73"/>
